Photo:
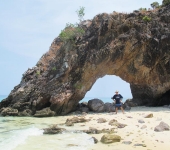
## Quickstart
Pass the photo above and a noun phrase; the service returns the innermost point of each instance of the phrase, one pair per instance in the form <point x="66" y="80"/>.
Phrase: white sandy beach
<point x="132" y="132"/>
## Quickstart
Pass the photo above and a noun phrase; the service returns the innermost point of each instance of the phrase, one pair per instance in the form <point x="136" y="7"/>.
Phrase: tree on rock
<point x="165" y="2"/>
<point x="155" y="5"/>
<point x="72" y="31"/>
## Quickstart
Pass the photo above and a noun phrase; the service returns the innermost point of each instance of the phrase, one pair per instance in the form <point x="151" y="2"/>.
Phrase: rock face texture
<point x="125" y="45"/>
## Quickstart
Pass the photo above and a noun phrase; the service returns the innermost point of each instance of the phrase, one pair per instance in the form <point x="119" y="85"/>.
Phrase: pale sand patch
<point x="132" y="132"/>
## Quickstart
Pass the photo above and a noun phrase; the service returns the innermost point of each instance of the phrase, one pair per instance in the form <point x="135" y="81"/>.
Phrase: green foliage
<point x="155" y="5"/>
<point x="38" y="73"/>
<point x="146" y="19"/>
<point x="71" y="31"/>
<point x="81" y="13"/>
<point x="67" y="34"/>
<point x="54" y="69"/>
<point x="142" y="9"/>
<point x="78" y="86"/>
<point x="165" y="2"/>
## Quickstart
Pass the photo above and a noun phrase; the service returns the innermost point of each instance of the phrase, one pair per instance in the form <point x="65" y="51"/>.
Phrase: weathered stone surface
<point x="92" y="131"/>
<point x="96" y="105"/>
<point x="110" y="131"/>
<point x="110" y="138"/>
<point x="95" y="140"/>
<point x="26" y="112"/>
<point x="46" y="112"/>
<point x="109" y="107"/>
<point x="101" y="120"/>
<point x="8" y="111"/>
<point x="143" y="127"/>
<point x="127" y="142"/>
<point x="113" y="44"/>
<point x="83" y="107"/>
<point x="113" y="122"/>
<point x="130" y="103"/>
<point x="148" y="116"/>
<point x="162" y="127"/>
<point x="141" y="121"/>
<point x="138" y="144"/>
<point x="69" y="123"/>
<point x="53" y="130"/>
<point x="76" y="120"/>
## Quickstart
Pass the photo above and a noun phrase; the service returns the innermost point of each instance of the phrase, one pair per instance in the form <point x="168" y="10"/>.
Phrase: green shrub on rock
<point x="155" y="5"/>
<point x="146" y="19"/>
<point x="72" y="31"/>
<point x="142" y="9"/>
<point x="165" y="2"/>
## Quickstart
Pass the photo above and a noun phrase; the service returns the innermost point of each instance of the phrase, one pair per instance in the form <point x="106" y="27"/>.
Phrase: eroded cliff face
<point x="113" y="44"/>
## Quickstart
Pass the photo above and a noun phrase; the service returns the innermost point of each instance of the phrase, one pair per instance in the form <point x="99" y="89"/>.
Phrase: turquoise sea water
<point x="86" y="99"/>
<point x="26" y="133"/>
<point x="18" y="133"/>
<point x="104" y="99"/>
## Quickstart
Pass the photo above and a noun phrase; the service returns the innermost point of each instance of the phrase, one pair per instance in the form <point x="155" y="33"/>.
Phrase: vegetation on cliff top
<point x="72" y="31"/>
<point x="165" y="2"/>
<point x="155" y="5"/>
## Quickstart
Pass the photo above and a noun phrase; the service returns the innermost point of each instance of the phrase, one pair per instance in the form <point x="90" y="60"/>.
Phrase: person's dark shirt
<point x="117" y="97"/>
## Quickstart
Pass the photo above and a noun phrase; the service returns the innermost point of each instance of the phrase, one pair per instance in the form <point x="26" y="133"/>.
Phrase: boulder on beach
<point x="110" y="138"/>
<point x="95" y="140"/>
<point x="76" y="120"/>
<point x="92" y="130"/>
<point x="148" y="115"/>
<point x="162" y="127"/>
<point x="53" y="130"/>
<point x="109" y="107"/>
<point x="46" y="112"/>
<point x="96" y="105"/>
<point x="130" y="103"/>
<point x="8" y="111"/>
<point x="101" y="120"/>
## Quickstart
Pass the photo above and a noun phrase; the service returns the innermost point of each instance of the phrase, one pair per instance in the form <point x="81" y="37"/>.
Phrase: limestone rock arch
<point x="113" y="44"/>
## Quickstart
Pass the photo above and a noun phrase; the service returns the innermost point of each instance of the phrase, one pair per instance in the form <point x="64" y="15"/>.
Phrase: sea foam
<point x="11" y="139"/>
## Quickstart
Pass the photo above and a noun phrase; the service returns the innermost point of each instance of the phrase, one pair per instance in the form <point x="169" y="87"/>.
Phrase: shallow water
<point x="18" y="133"/>
<point x="104" y="99"/>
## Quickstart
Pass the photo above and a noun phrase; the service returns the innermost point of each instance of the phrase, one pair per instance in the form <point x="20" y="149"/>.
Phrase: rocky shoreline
<point x="126" y="45"/>
<point x="143" y="127"/>
<point x="93" y="105"/>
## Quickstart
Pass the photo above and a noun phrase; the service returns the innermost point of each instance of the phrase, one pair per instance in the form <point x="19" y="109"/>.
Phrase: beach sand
<point x="147" y="138"/>
<point x="133" y="132"/>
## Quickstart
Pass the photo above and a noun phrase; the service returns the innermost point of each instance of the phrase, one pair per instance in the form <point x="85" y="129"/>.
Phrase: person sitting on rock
<point x="118" y="101"/>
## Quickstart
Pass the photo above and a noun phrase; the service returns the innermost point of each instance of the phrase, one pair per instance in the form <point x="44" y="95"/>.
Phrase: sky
<point x="28" y="27"/>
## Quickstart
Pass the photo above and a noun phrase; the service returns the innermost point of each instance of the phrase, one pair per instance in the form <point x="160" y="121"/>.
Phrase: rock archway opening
<point x="104" y="88"/>
<point x="113" y="44"/>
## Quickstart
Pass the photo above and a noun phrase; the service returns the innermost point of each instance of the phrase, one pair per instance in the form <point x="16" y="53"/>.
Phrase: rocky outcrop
<point x="110" y="138"/>
<point x="46" y="112"/>
<point x="53" y="130"/>
<point x="109" y="107"/>
<point x="96" y="105"/>
<point x="162" y="127"/>
<point x="9" y="112"/>
<point x="125" y="45"/>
